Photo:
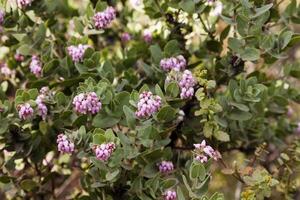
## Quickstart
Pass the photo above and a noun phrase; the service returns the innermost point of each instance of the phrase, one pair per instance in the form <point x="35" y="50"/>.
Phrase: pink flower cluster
<point x="166" y="167"/>
<point x="64" y="145"/>
<point x="25" y="111"/>
<point x="24" y="3"/>
<point x="204" y="151"/>
<point x="36" y="66"/>
<point x="2" y="14"/>
<point x="170" y="195"/>
<point x="104" y="151"/>
<point x="148" y="104"/>
<point x="147" y="36"/>
<point x="187" y="83"/>
<point x="85" y="103"/>
<point x="40" y="100"/>
<point x="77" y="52"/>
<point x="125" y="37"/>
<point x="177" y="63"/>
<point x="103" y="19"/>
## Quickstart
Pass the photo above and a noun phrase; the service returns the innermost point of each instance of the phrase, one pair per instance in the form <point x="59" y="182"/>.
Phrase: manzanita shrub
<point x="163" y="100"/>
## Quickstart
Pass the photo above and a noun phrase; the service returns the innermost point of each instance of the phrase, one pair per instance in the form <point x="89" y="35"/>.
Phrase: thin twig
<point x="205" y="27"/>
<point x="160" y="9"/>
<point x="278" y="3"/>
<point x="235" y="175"/>
<point x="183" y="148"/>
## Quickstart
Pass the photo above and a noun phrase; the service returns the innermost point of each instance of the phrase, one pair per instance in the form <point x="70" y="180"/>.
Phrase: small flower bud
<point x="19" y="57"/>
<point x="6" y="72"/>
<point x="125" y="37"/>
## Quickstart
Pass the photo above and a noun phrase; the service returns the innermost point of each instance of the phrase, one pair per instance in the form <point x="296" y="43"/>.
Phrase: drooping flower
<point x="204" y="151"/>
<point x="25" y="111"/>
<point x="177" y="63"/>
<point x="85" y="103"/>
<point x="170" y="195"/>
<point x="64" y="145"/>
<point x="104" y="151"/>
<point x="125" y="37"/>
<point x="147" y="36"/>
<point x="103" y="19"/>
<point x="187" y="84"/>
<point x="148" y="104"/>
<point x="24" y="3"/>
<point x="77" y="52"/>
<point x="166" y="167"/>
<point x="36" y="66"/>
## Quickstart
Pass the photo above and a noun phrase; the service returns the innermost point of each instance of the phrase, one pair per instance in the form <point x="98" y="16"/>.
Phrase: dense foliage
<point x="170" y="99"/>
